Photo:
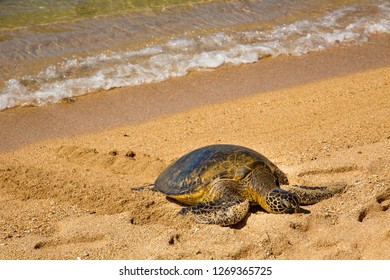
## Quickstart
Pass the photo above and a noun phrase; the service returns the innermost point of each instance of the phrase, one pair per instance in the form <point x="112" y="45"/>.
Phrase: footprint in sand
<point x="380" y="204"/>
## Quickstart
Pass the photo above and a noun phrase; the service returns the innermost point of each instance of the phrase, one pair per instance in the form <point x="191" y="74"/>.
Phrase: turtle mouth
<point x="283" y="202"/>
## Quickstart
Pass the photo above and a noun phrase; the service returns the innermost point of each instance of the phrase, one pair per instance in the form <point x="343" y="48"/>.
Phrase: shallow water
<point x="45" y="61"/>
<point x="23" y="13"/>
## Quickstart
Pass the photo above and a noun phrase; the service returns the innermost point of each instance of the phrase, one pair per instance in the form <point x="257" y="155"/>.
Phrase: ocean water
<point x="56" y="49"/>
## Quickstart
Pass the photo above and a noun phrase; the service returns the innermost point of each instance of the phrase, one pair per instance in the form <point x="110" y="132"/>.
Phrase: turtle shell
<point x="199" y="168"/>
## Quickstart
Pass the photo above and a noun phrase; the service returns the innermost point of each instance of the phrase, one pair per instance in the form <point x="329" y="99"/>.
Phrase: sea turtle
<point x="218" y="183"/>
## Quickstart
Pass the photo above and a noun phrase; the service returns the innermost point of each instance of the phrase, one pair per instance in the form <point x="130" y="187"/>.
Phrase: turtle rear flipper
<point x="310" y="195"/>
<point x="220" y="212"/>
<point x="145" y="187"/>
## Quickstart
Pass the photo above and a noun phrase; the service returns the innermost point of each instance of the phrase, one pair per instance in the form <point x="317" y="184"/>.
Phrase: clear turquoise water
<point x="54" y="49"/>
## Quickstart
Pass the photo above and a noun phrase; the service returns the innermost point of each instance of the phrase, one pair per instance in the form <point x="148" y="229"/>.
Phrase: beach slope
<point x="72" y="198"/>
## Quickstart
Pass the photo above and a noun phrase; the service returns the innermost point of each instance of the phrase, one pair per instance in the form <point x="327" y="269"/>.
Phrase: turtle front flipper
<point x="219" y="212"/>
<point x="310" y="195"/>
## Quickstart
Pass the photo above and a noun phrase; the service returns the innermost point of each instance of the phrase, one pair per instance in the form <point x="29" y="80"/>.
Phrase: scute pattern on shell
<point x="200" y="167"/>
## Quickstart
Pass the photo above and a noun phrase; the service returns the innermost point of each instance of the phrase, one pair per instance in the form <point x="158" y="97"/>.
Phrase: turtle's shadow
<point x="175" y="201"/>
<point x="252" y="210"/>
<point x="255" y="209"/>
<point x="304" y="211"/>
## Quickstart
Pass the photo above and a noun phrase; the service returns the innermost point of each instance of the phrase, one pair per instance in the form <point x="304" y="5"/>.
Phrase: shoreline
<point x="132" y="105"/>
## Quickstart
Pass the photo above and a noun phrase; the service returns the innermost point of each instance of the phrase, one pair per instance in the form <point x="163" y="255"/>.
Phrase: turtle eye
<point x="291" y="203"/>
<point x="285" y="203"/>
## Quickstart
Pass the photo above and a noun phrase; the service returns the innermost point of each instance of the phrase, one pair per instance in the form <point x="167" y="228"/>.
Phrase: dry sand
<point x="71" y="197"/>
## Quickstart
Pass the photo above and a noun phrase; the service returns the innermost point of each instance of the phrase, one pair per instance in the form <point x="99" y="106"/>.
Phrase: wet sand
<point x="123" y="106"/>
<point x="67" y="170"/>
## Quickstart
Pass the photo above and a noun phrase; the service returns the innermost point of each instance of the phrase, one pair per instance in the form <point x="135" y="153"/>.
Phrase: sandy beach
<point x="67" y="170"/>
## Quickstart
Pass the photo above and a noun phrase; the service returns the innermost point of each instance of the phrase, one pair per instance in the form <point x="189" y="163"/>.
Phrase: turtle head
<point x="281" y="201"/>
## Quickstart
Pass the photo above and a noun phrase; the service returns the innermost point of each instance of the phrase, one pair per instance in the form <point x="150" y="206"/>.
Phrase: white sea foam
<point x="181" y="44"/>
<point x="178" y="56"/>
